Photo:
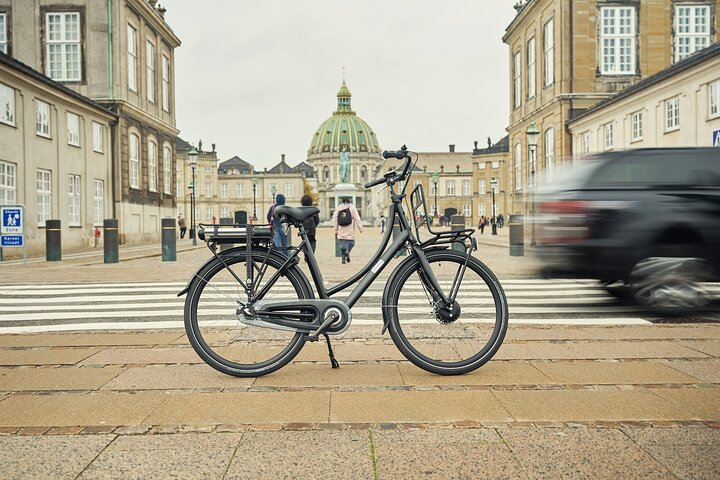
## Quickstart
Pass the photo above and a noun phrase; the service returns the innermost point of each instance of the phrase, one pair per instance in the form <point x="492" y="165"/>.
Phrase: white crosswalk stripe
<point x="58" y="307"/>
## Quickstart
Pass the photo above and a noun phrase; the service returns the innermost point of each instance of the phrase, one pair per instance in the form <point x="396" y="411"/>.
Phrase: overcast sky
<point x="257" y="78"/>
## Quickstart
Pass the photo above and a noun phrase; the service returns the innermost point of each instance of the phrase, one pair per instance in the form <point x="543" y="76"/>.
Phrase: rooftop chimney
<point x="282" y="157"/>
<point x="452" y="148"/>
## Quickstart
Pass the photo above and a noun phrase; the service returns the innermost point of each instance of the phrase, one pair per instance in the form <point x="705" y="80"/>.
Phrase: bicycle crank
<point x="311" y="316"/>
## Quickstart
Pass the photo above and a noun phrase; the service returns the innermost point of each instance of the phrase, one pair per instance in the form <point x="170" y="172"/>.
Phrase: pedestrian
<point x="501" y="220"/>
<point x="345" y="218"/>
<point x="182" y="225"/>
<point x="383" y="222"/>
<point x="310" y="224"/>
<point x="280" y="238"/>
<point x="443" y="220"/>
<point x="214" y="220"/>
<point x="97" y="236"/>
<point x="482" y="224"/>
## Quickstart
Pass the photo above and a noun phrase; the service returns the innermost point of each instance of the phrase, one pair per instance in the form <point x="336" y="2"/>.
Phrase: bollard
<point x="226" y="221"/>
<point x="168" y="239"/>
<point x="53" y="241"/>
<point x="396" y="231"/>
<point x="110" y="245"/>
<point x="493" y="224"/>
<point x="517" y="245"/>
<point x="457" y="222"/>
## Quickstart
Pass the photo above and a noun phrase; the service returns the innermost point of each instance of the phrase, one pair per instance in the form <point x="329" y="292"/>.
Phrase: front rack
<point x="239" y="233"/>
<point x="421" y="219"/>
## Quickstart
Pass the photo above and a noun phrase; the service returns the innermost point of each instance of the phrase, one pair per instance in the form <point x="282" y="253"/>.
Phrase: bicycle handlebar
<point x="399" y="154"/>
<point x="377" y="181"/>
<point x="392" y="176"/>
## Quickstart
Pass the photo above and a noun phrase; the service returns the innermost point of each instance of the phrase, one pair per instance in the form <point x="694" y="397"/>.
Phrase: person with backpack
<point x="345" y="218"/>
<point x="483" y="224"/>
<point x="311" y="223"/>
<point x="280" y="238"/>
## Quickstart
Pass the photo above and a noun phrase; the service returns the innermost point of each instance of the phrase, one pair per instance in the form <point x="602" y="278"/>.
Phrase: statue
<point x="345" y="166"/>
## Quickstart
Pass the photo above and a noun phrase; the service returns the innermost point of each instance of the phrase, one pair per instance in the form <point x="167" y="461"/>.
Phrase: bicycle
<point x="445" y="310"/>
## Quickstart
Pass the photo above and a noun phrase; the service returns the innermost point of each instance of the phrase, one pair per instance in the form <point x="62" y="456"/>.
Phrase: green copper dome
<point x="344" y="130"/>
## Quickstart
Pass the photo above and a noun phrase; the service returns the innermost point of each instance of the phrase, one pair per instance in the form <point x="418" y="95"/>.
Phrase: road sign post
<point x="12" y="228"/>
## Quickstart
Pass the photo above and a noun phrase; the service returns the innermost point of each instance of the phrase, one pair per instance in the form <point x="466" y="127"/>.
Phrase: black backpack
<point x="344" y="217"/>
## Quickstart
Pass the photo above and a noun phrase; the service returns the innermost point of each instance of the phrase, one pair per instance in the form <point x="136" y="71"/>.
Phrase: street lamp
<point x="273" y="190"/>
<point x="493" y="186"/>
<point x="533" y="132"/>
<point x="254" y="181"/>
<point x="193" y="157"/>
<point x="435" y="179"/>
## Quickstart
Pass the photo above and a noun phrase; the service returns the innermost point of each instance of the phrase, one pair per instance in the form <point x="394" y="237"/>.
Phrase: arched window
<point x="326" y="173"/>
<point x="363" y="173"/>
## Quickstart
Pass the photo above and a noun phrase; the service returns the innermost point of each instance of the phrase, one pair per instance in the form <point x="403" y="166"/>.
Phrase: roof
<point x="32" y="73"/>
<point x="697" y="58"/>
<point x="181" y="145"/>
<point x="235" y="163"/>
<point x="502" y="145"/>
<point x="282" y="167"/>
<point x="306" y="170"/>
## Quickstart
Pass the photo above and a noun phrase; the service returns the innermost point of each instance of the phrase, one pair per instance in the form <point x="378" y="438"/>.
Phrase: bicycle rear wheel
<point x="427" y="334"/>
<point x="220" y="338"/>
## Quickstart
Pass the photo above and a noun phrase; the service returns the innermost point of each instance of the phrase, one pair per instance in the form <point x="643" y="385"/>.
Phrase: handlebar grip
<point x="399" y="154"/>
<point x="377" y="181"/>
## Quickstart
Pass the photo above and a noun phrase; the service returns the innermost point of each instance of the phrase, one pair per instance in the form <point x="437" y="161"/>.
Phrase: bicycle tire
<point x="485" y="312"/>
<point x="217" y="336"/>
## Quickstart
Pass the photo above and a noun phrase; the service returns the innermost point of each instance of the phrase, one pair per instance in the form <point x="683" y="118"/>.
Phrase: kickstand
<point x="333" y="362"/>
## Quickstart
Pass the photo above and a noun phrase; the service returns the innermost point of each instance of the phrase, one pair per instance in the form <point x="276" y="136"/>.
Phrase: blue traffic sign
<point x="716" y="138"/>
<point x="11" y="221"/>
<point x="11" y="241"/>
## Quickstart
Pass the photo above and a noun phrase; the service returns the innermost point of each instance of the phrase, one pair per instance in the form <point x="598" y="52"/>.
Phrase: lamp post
<point x="254" y="181"/>
<point x="435" y="179"/>
<point x="273" y="190"/>
<point x="193" y="157"/>
<point x="532" y="133"/>
<point x="493" y="186"/>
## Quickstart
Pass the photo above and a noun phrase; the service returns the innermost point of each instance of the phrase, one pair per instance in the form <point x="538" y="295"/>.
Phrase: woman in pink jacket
<point x="345" y="218"/>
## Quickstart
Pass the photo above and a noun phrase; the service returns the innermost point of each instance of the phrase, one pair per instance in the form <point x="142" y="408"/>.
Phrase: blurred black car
<point x="646" y="219"/>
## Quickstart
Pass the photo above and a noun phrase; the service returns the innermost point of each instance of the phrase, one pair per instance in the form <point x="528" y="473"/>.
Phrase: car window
<point x="651" y="168"/>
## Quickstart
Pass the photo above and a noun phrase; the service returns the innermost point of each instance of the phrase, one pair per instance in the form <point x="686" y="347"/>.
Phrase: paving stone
<point x="56" y="378"/>
<point x="319" y="375"/>
<point x="130" y="338"/>
<point x="50" y="456"/>
<point x="702" y="403"/>
<point x="348" y="352"/>
<point x="189" y="455"/>
<point x="173" y="377"/>
<point x="143" y="356"/>
<point x="595" y="350"/>
<point x="587" y="453"/>
<point x="39" y="340"/>
<point x="589" y="405"/>
<point x="492" y="373"/>
<point x="60" y="356"/>
<point x="315" y="454"/>
<point x="412" y="406"/>
<point x="244" y="407"/>
<point x="611" y="373"/>
<point x="705" y="370"/>
<point x="655" y="331"/>
<point x="710" y="347"/>
<point x="443" y="454"/>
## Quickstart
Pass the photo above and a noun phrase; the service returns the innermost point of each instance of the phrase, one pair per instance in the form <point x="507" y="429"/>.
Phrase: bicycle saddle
<point x="297" y="214"/>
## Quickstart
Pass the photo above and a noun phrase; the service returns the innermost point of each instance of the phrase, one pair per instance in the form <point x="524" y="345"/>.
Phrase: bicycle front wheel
<point x="220" y="338"/>
<point x="447" y="341"/>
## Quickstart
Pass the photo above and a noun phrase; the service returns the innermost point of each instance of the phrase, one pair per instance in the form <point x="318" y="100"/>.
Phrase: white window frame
<point x="152" y="166"/>
<point x="167" y="169"/>
<point x="481" y="209"/>
<point x="495" y="164"/>
<point x="208" y="190"/>
<point x="518" y="166"/>
<point x="150" y="70"/>
<point x="225" y="212"/>
<point x="691" y="31"/>
<point x="165" y="83"/>
<point x="7" y="104"/>
<point x="482" y="186"/>
<point x="672" y="114"/>
<point x="585" y="143"/>
<point x="636" y="126"/>
<point x="240" y="190"/>
<point x="289" y="189"/>
<point x="134" y="159"/>
<point x="223" y="190"/>
<point x="549" y="52"/>
<point x="132" y="58"/>
<point x="714" y="99"/>
<point x="517" y="100"/>
<point x="3" y="33"/>
<point x="467" y="211"/>
<point x="617" y="40"/>
<point x="208" y="213"/>
<point x="73" y="129"/>
<point x="42" y="118"/>
<point x="466" y="185"/>
<point x="8" y="183"/>
<point x="549" y="147"/>
<point x="608" y="136"/>
<point x="63" y="47"/>
<point x="98" y="202"/>
<point x="98" y="137"/>
<point x="43" y="188"/>
<point x="74" y="190"/>
<point x="450" y="188"/>
<point x="531" y="68"/>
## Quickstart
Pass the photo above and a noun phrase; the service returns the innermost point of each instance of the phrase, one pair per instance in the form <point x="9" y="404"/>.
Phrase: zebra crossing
<point x="64" y="307"/>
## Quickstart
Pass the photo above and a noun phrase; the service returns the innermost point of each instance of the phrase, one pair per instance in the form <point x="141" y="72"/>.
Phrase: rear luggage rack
<point x="238" y="233"/>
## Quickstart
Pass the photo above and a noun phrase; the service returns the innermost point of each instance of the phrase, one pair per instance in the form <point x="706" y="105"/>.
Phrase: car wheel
<point x="669" y="285"/>
<point x="617" y="288"/>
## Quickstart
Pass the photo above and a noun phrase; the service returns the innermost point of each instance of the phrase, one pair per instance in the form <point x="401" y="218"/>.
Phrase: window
<point x="289" y="189"/>
<point x="450" y="187"/>
<point x="8" y="183"/>
<point x="42" y="118"/>
<point x="178" y="189"/>
<point x="608" y="136"/>
<point x="208" y="213"/>
<point x="481" y="209"/>
<point x="98" y="202"/>
<point x="167" y="172"/>
<point x="98" y="137"/>
<point x="617" y="40"/>
<point x="73" y="129"/>
<point x="74" y="200"/>
<point x="516" y="79"/>
<point x="224" y="212"/>
<point x="134" y="161"/>
<point x="132" y="58"/>
<point x="3" y="33"/>
<point x="150" y="71"/>
<point x="197" y="213"/>
<point x="482" y="187"/>
<point x="240" y="190"/>
<point x="43" y="185"/>
<point x="692" y="29"/>
<point x="549" y="152"/>
<point x="433" y="188"/>
<point x="166" y="83"/>
<point x="208" y="189"/>
<point x="63" y="53"/>
<point x="466" y="187"/>
<point x="636" y="120"/>
<point x="152" y="166"/>
<point x="223" y="190"/>
<point x="585" y="143"/>
<point x="714" y="99"/>
<point x="467" y="210"/>
<point x="531" y="68"/>
<point x="7" y="104"/>
<point x="495" y="164"/>
<point x="672" y="114"/>
<point x="518" y="167"/>
<point x="548" y="53"/>
<point x="481" y="166"/>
